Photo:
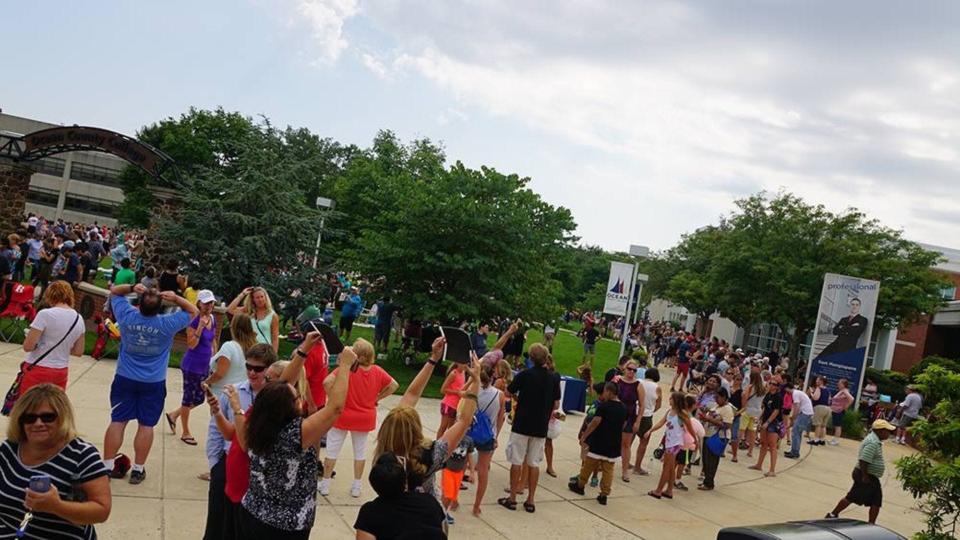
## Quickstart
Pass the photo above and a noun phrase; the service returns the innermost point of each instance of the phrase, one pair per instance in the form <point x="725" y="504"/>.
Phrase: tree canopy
<point x="766" y="262"/>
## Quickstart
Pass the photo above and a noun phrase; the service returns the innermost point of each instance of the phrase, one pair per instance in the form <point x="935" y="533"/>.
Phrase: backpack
<point x="481" y="429"/>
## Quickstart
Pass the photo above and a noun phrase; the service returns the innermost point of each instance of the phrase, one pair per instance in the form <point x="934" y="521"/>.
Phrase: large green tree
<point x="452" y="242"/>
<point x="766" y="262"/>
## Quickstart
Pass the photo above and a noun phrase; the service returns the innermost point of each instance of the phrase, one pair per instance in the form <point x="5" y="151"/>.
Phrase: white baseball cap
<point x="205" y="296"/>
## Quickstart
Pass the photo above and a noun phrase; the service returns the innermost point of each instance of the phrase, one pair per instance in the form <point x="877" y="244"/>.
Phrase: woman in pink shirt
<point x="452" y="390"/>
<point x="368" y="385"/>
<point x="839" y="403"/>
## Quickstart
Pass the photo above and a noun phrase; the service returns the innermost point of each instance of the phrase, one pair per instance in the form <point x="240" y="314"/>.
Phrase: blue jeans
<point x="800" y="425"/>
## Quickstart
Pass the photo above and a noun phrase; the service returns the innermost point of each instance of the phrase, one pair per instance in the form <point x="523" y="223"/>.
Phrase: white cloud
<point x="694" y="98"/>
<point x="325" y="19"/>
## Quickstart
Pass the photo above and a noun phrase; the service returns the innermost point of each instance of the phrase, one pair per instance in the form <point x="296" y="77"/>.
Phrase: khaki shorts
<point x="749" y="423"/>
<point x="525" y="449"/>
<point x="821" y="415"/>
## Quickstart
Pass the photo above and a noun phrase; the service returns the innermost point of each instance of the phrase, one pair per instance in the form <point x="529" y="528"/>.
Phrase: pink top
<point x="360" y="408"/>
<point x="840" y="401"/>
<point x="458" y="382"/>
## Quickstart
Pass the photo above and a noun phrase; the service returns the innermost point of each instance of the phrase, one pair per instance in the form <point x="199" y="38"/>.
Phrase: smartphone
<point x="40" y="483"/>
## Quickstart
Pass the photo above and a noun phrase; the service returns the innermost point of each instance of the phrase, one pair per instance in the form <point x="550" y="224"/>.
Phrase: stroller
<point x="16" y="306"/>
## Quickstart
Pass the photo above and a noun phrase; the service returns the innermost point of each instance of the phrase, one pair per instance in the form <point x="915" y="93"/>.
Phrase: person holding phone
<point x="42" y="448"/>
<point x="369" y="383"/>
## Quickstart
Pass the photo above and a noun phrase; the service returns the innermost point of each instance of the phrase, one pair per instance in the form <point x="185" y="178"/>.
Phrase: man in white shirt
<point x="802" y="417"/>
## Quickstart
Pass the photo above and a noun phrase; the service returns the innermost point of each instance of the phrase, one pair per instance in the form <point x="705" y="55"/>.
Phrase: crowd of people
<point x="277" y="427"/>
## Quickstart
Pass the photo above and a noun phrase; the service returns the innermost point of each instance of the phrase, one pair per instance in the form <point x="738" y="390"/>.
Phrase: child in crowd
<point x="453" y="471"/>
<point x="597" y="390"/>
<point x="677" y="421"/>
<point x="602" y="438"/>
<point x="691" y="442"/>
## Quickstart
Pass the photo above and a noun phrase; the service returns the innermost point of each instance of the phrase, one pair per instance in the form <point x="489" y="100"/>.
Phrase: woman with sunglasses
<point x="632" y="394"/>
<point x="42" y="445"/>
<point x="282" y="496"/>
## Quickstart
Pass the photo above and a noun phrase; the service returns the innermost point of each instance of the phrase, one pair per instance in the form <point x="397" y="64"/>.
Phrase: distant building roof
<point x="952" y="255"/>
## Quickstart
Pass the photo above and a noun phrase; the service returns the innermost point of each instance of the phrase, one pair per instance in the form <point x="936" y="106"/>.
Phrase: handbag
<point x="717" y="444"/>
<point x="14" y="392"/>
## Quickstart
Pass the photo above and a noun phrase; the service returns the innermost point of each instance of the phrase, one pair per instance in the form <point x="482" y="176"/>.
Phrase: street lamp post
<point x="323" y="203"/>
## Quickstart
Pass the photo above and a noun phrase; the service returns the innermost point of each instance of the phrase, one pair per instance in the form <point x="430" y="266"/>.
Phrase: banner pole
<point x="626" y="316"/>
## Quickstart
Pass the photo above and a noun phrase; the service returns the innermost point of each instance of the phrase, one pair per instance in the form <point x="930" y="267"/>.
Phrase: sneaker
<point x="594" y="481"/>
<point x="323" y="486"/>
<point x="137" y="477"/>
<point x="121" y="464"/>
<point x="834" y="443"/>
<point x="450" y="520"/>
<point x="355" y="488"/>
<point x="575" y="487"/>
<point x="790" y="456"/>
<point x="681" y="486"/>
<point x="812" y="442"/>
<point x="821" y="442"/>
<point x="830" y="515"/>
<point x="602" y="499"/>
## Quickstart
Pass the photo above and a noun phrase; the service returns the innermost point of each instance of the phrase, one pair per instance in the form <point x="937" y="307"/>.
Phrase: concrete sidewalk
<point x="171" y="503"/>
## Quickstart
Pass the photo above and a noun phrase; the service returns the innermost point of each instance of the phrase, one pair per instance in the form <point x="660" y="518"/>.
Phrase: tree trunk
<point x="799" y="332"/>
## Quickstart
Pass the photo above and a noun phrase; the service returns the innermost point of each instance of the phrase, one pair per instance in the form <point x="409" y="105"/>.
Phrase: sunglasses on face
<point x="631" y="369"/>
<point x="255" y="369"/>
<point x="46" y="418"/>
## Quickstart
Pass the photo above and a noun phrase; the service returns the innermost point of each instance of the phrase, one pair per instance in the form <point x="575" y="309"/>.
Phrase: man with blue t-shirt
<point x="140" y="384"/>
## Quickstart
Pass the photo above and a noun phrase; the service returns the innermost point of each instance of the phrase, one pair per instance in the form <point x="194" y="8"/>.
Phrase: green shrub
<point x="891" y="383"/>
<point x="852" y="425"/>
<point x="949" y="364"/>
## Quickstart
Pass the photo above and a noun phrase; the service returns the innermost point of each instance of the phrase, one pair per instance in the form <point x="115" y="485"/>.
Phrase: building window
<point x="43" y="196"/>
<point x="49" y="165"/>
<point x="91" y="205"/>
<point x="948" y="293"/>
<point x="95" y="174"/>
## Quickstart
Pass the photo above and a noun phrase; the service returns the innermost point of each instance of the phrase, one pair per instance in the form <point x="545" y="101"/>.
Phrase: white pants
<point x="336" y="437"/>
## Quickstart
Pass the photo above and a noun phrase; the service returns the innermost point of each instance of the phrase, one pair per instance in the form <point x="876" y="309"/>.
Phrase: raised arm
<point x="412" y="395"/>
<point x="123" y="290"/>
<point x="181" y="302"/>
<point x="455" y="433"/>
<point x="317" y="424"/>
<point x="234" y="307"/>
<point x="502" y="340"/>
<point x="239" y="417"/>
<point x="293" y="370"/>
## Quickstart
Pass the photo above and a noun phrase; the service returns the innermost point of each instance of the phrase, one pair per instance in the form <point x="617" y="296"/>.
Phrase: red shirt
<point x="238" y="472"/>
<point x="360" y="409"/>
<point x="316" y="365"/>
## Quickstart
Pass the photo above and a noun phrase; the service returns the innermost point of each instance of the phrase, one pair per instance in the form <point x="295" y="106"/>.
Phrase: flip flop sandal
<point x="507" y="503"/>
<point x="171" y="423"/>
<point x="529" y="507"/>
<point x="552" y="473"/>
<point x="654" y="495"/>
<point x="665" y="496"/>
<point x="189" y="441"/>
<point x="625" y="478"/>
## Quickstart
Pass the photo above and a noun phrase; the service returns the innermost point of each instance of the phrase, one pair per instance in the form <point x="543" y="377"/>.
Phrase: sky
<point x="647" y="119"/>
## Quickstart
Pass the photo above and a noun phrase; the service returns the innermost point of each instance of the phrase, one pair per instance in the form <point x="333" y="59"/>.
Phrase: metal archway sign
<point x="51" y="141"/>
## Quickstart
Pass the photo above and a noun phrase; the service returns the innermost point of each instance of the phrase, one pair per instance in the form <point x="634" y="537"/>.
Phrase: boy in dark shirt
<point x="397" y="513"/>
<point x="603" y="439"/>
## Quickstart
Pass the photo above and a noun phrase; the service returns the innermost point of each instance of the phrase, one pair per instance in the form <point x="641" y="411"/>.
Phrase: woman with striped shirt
<point x="42" y="442"/>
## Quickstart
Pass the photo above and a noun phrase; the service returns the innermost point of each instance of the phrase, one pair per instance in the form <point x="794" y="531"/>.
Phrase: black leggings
<point x="216" y="500"/>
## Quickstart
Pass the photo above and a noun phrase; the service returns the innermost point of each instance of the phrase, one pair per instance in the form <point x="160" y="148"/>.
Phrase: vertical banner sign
<point x="618" y="288"/>
<point x="848" y="306"/>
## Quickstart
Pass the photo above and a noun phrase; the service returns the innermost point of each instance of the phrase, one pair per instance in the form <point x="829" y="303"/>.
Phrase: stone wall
<point x="14" y="183"/>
